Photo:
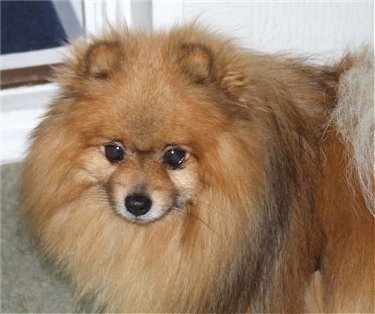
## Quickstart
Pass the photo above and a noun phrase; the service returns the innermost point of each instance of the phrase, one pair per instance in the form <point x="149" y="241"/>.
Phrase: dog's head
<point x="153" y="122"/>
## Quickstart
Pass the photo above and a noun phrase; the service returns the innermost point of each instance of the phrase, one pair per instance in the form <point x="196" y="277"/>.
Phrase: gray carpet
<point x="28" y="285"/>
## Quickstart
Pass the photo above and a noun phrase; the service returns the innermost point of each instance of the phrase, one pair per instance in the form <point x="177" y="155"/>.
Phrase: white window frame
<point x="22" y="107"/>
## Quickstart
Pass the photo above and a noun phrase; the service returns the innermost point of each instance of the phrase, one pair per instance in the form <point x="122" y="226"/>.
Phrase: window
<point x="32" y="37"/>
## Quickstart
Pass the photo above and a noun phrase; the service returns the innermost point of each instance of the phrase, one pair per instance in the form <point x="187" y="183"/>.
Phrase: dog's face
<point x="146" y="154"/>
<point x="146" y="185"/>
<point x="149" y="136"/>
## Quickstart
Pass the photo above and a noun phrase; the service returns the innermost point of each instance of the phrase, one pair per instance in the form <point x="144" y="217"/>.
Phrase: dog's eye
<point x="174" y="157"/>
<point x="114" y="152"/>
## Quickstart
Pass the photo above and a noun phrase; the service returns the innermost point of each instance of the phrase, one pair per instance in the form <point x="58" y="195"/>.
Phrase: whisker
<point x="202" y="222"/>
<point x="213" y="209"/>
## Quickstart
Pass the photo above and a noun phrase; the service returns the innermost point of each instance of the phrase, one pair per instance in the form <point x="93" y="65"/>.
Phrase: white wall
<point x="324" y="28"/>
<point x="304" y="27"/>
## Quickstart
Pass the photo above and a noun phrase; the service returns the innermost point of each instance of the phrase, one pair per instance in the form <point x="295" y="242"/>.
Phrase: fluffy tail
<point x="354" y="119"/>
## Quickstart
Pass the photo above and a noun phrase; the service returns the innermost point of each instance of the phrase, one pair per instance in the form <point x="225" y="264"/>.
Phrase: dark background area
<point x="30" y="25"/>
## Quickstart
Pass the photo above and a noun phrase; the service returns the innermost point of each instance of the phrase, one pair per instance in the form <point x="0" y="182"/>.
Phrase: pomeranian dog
<point x="178" y="172"/>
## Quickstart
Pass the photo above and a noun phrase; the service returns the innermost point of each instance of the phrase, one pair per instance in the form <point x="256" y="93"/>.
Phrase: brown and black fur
<point x="272" y="224"/>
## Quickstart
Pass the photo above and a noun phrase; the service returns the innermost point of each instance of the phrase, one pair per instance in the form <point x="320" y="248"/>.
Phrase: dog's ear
<point x="234" y="83"/>
<point x="102" y="59"/>
<point x="196" y="61"/>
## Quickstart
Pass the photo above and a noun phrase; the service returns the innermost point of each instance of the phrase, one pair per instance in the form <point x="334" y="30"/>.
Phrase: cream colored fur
<point x="354" y="117"/>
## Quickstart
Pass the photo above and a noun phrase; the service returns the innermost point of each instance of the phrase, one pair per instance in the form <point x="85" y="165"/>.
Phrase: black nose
<point x="138" y="204"/>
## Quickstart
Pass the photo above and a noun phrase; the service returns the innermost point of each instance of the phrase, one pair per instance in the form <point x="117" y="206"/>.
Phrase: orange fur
<point x="261" y="197"/>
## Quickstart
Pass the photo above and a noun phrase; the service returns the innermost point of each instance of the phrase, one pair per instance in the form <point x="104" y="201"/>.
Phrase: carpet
<point x="28" y="284"/>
